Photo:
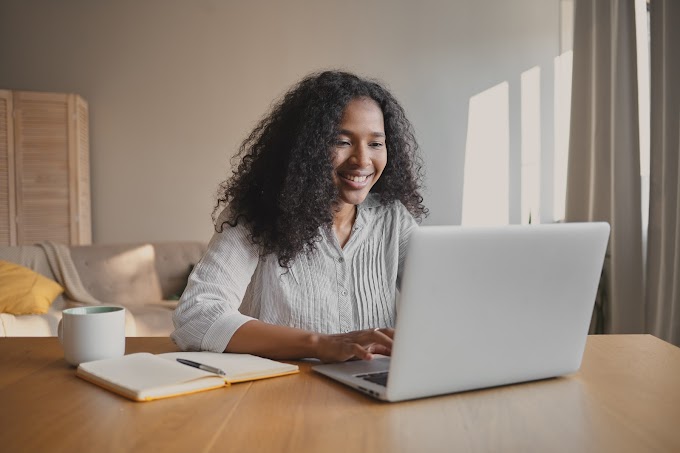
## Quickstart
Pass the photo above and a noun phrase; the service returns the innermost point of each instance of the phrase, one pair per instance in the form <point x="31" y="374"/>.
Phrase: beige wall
<point x="174" y="86"/>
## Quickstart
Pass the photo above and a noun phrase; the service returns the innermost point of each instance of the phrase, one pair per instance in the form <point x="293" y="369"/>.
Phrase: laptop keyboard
<point x="379" y="378"/>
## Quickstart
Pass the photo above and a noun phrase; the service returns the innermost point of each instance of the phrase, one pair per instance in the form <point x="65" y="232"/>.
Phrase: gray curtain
<point x="603" y="179"/>
<point x="663" y="249"/>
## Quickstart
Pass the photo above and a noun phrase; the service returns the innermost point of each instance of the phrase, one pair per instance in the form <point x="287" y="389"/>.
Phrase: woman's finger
<point x="387" y="331"/>
<point x="380" y="337"/>
<point x="360" y="352"/>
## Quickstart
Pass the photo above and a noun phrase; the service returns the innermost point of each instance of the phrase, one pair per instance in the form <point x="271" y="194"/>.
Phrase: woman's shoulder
<point x="227" y="220"/>
<point x="230" y="228"/>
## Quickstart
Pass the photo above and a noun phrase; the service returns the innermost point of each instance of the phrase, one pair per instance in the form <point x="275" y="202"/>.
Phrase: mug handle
<point x="60" y="331"/>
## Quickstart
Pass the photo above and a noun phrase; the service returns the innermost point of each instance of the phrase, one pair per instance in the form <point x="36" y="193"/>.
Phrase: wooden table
<point x="626" y="398"/>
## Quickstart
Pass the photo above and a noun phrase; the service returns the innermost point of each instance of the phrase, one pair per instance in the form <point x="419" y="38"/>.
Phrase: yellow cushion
<point x="25" y="292"/>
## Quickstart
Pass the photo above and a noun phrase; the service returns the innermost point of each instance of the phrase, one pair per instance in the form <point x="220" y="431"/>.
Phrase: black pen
<point x="200" y="366"/>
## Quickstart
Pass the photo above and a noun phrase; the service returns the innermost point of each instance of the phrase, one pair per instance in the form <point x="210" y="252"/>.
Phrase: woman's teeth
<point x="356" y="178"/>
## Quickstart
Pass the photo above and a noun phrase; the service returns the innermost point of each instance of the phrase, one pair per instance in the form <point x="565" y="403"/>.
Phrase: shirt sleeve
<point x="406" y="224"/>
<point x="207" y="314"/>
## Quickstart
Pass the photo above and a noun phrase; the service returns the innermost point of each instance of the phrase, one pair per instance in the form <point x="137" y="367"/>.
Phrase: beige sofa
<point x="143" y="278"/>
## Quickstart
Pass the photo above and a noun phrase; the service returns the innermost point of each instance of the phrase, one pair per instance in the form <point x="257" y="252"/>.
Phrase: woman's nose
<point x="361" y="155"/>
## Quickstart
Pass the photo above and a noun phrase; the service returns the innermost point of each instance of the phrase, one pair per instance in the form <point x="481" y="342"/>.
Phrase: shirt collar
<point x="363" y="210"/>
<point x="371" y="201"/>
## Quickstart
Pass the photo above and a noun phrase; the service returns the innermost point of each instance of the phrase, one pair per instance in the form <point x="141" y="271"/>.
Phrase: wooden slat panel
<point x="41" y="144"/>
<point x="4" y="173"/>
<point x="83" y="132"/>
<point x="72" y="170"/>
<point x="7" y="194"/>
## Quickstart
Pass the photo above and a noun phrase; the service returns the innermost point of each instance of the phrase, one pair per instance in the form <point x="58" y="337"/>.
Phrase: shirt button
<point x="343" y="292"/>
<point x="341" y="260"/>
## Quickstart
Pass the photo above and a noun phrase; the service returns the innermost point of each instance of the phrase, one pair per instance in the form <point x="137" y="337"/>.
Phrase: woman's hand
<point x="287" y="343"/>
<point x="360" y="344"/>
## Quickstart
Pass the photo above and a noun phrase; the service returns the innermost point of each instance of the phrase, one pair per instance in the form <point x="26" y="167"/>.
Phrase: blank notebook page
<point x="144" y="376"/>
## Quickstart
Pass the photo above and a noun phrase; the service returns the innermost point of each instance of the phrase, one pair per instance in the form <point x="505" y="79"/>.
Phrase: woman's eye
<point x="342" y="143"/>
<point x="377" y="144"/>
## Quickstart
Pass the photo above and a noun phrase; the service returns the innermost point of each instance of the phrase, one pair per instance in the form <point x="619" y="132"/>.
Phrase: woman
<point x="309" y="247"/>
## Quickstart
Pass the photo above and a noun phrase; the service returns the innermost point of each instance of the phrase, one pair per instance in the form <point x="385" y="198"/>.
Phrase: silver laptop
<point x="487" y="306"/>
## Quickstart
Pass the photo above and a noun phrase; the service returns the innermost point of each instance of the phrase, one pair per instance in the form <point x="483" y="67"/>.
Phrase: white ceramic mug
<point x="92" y="333"/>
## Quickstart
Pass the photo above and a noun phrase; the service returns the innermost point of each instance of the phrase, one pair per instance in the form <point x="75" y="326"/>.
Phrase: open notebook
<point x="146" y="377"/>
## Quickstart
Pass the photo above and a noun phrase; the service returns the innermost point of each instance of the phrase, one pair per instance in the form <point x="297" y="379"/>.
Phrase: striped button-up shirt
<point x="331" y="290"/>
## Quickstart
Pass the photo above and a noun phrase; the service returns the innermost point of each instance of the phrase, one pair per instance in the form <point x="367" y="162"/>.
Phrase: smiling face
<point x="360" y="152"/>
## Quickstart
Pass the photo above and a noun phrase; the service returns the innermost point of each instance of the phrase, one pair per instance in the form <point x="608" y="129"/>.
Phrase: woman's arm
<point x="208" y="312"/>
<point x="281" y="342"/>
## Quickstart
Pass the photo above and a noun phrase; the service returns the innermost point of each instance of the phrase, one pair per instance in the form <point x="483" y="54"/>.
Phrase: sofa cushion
<point x="25" y="291"/>
<point x="174" y="261"/>
<point x="118" y="274"/>
<point x="131" y="274"/>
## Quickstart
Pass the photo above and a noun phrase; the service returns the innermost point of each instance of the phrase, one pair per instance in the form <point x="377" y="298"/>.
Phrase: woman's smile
<point x="356" y="181"/>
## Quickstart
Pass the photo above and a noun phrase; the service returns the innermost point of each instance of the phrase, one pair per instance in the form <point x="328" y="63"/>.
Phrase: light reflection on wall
<point x="486" y="178"/>
<point x="531" y="145"/>
<point x="562" y="82"/>
<point x="486" y="189"/>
